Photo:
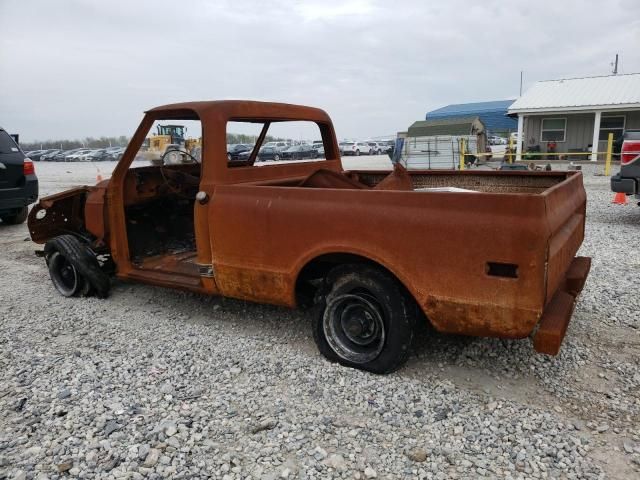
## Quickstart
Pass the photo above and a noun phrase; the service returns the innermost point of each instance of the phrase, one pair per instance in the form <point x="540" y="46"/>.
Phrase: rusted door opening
<point x="159" y="192"/>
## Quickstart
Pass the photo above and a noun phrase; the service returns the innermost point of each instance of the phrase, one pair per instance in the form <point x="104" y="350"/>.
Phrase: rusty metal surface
<point x="263" y="225"/>
<point x="557" y="314"/>
<point x="64" y="213"/>
<point x="95" y="214"/>
<point x="437" y="244"/>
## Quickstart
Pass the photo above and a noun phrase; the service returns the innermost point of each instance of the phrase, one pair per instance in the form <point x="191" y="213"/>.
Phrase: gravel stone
<point x="336" y="461"/>
<point x="64" y="393"/>
<point x="64" y="467"/>
<point x="417" y="454"/>
<point x="111" y="427"/>
<point x="370" y="473"/>
<point x="152" y="457"/>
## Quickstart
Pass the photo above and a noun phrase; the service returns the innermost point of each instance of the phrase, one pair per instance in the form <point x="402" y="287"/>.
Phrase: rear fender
<point x="59" y="214"/>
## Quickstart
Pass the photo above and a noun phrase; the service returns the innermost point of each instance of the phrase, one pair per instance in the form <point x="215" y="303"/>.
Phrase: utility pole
<point x="521" y="82"/>
<point x="615" y="66"/>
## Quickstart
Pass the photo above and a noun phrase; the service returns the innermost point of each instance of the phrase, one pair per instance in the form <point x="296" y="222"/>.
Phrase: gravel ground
<point x="158" y="383"/>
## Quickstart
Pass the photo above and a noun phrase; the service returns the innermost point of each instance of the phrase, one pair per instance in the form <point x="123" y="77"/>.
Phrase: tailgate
<point x="565" y="209"/>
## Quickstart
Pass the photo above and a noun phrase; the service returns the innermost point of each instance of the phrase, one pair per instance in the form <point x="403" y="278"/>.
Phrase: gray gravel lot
<point x="158" y="383"/>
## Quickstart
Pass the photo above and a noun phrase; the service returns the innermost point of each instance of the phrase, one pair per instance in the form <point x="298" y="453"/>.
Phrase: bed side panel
<point x="437" y="244"/>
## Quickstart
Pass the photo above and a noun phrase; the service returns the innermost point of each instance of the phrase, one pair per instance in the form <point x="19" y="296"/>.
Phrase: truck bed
<point x="482" y="262"/>
<point x="477" y="181"/>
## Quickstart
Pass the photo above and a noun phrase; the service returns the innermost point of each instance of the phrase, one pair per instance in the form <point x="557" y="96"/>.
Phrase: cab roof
<point x="248" y="110"/>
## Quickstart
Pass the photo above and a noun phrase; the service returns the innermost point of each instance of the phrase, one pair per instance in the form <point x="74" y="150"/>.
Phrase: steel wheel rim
<point x="64" y="274"/>
<point x="354" y="327"/>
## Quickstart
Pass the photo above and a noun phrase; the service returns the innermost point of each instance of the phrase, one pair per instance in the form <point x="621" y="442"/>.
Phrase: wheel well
<point x="310" y="278"/>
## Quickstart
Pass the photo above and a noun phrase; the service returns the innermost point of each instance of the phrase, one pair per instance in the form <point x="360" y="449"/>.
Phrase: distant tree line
<point x="88" y="142"/>
<point x="242" y="138"/>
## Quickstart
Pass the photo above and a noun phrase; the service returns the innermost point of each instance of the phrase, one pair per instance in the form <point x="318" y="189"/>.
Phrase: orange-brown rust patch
<point x="253" y="284"/>
<point x="460" y="317"/>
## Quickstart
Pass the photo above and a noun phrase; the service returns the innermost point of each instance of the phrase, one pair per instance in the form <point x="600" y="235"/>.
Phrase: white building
<point x="577" y="113"/>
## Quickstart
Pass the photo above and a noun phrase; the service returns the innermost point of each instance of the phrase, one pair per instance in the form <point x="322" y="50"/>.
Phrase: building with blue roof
<point x="492" y="114"/>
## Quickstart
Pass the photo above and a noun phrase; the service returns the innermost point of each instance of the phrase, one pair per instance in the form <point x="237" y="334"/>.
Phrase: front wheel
<point x="357" y="153"/>
<point x="276" y="157"/>
<point x="74" y="269"/>
<point x="365" y="320"/>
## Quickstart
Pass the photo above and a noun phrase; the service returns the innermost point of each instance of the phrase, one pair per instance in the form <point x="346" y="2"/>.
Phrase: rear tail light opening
<point x="27" y="167"/>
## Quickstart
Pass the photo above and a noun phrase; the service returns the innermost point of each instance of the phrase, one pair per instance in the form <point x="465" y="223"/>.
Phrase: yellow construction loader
<point x="170" y="147"/>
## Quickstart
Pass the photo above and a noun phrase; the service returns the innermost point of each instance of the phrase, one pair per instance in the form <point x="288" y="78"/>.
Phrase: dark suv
<point x="18" y="181"/>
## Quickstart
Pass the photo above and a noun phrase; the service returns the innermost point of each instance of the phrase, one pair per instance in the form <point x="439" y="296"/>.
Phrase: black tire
<point x="357" y="153"/>
<point x="276" y="157"/>
<point x="74" y="269"/>
<point x="16" y="218"/>
<point x="364" y="319"/>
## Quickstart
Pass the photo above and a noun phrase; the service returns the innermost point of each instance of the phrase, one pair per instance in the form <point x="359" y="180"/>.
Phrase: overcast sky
<point x="76" y="68"/>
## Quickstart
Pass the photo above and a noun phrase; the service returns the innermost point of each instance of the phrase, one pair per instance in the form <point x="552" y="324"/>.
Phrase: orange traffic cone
<point x="98" y="176"/>
<point x="620" y="198"/>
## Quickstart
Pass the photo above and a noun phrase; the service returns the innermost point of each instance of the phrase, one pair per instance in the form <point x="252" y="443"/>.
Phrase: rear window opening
<point x="261" y="143"/>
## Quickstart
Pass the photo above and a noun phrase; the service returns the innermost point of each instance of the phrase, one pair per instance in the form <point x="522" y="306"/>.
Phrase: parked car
<point x="496" y="140"/>
<point x="377" y="148"/>
<point x="234" y="152"/>
<point x="18" y="181"/>
<point x="299" y="152"/>
<point x="75" y="156"/>
<point x="48" y="157"/>
<point x="99" y="155"/>
<point x="319" y="147"/>
<point x="114" y="153"/>
<point x="355" y="148"/>
<point x="35" y="154"/>
<point x="627" y="180"/>
<point x="85" y="156"/>
<point x="280" y="145"/>
<point x="60" y="156"/>
<point x="269" y="153"/>
<point x="369" y="251"/>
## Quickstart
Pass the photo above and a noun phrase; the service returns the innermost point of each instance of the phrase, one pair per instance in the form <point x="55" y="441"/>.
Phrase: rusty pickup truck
<point x="371" y="253"/>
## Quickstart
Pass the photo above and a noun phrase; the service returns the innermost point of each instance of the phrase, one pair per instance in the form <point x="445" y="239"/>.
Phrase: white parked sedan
<point x="355" y="148"/>
<point x="75" y="156"/>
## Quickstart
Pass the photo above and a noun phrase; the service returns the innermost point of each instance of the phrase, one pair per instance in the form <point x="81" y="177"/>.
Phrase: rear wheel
<point x="357" y="153"/>
<point x="16" y="218"/>
<point x="365" y="320"/>
<point x="74" y="269"/>
<point x="276" y="157"/>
